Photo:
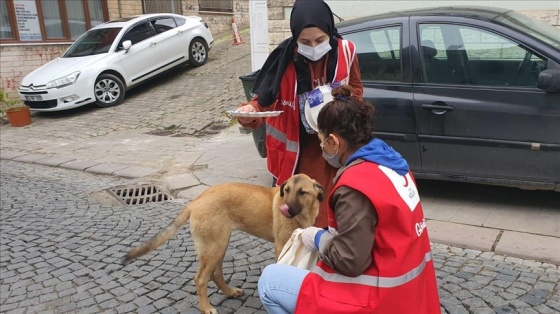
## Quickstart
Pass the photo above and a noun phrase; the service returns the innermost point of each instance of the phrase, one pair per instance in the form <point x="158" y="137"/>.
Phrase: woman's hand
<point x="246" y="108"/>
<point x="308" y="237"/>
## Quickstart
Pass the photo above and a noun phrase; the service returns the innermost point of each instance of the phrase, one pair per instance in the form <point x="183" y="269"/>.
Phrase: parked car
<point x="465" y="94"/>
<point x="109" y="59"/>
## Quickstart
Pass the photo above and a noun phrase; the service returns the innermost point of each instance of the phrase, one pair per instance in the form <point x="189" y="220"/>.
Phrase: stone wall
<point x="120" y="8"/>
<point x="220" y="22"/>
<point x="278" y="23"/>
<point x="17" y="61"/>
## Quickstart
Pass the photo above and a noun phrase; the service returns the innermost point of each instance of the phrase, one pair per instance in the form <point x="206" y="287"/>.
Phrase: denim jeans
<point x="279" y="287"/>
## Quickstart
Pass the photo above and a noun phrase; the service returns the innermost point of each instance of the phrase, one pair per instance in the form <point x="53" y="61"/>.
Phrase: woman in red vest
<point x="375" y="256"/>
<point x="310" y="62"/>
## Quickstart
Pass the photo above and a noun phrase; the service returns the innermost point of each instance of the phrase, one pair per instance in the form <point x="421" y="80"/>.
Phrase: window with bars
<point x="162" y="6"/>
<point x="216" y="5"/>
<point x="49" y="20"/>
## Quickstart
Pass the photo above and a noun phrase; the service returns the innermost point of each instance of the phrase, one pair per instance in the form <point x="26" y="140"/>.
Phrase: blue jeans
<point x="279" y="287"/>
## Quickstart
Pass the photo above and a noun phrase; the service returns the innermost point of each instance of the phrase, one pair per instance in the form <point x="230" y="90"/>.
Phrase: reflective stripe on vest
<point x="375" y="281"/>
<point x="280" y="136"/>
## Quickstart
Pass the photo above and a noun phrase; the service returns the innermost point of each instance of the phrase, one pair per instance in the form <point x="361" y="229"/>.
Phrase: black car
<point x="465" y="94"/>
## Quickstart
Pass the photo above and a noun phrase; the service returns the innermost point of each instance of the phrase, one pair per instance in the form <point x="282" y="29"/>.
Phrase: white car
<point x="115" y="56"/>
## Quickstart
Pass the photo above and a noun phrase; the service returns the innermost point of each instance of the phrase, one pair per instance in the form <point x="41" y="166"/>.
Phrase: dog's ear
<point x="320" y="191"/>
<point x="282" y="189"/>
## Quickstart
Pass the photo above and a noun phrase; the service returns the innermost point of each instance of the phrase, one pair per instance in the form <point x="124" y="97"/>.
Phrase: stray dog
<point x="268" y="213"/>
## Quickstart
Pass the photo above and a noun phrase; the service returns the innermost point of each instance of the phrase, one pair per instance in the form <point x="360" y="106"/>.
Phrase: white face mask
<point x="314" y="53"/>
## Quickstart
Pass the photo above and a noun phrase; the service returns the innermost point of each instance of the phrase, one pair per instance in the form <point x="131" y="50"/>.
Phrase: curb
<point x="121" y="170"/>
<point x="501" y="242"/>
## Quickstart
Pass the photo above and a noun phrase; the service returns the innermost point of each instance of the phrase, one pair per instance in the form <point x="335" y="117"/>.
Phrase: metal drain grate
<point x="172" y="130"/>
<point x="136" y="195"/>
<point x="180" y="135"/>
<point x="212" y="129"/>
<point x="161" y="132"/>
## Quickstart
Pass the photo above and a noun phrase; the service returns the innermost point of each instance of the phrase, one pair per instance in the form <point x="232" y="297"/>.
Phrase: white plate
<point x="262" y="114"/>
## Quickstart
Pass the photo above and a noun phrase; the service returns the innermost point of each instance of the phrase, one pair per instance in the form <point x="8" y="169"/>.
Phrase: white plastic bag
<point x="295" y="253"/>
<point x="311" y="104"/>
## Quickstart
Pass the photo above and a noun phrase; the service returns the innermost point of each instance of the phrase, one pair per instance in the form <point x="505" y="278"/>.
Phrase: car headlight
<point x="64" y="81"/>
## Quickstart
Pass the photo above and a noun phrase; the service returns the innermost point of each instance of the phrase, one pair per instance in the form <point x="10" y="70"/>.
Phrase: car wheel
<point x="109" y="90"/>
<point x="198" y="52"/>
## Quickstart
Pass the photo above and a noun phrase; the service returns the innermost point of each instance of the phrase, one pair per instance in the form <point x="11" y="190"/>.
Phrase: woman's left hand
<point x="308" y="237"/>
<point x="246" y="108"/>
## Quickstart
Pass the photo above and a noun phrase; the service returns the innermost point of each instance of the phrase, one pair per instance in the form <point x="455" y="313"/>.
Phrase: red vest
<point x="282" y="132"/>
<point x="401" y="278"/>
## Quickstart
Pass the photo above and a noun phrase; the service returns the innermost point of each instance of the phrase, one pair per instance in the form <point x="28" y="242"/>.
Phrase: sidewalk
<point x="113" y="141"/>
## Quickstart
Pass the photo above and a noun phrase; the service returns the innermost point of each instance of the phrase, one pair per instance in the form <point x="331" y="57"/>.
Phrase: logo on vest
<point x="288" y="103"/>
<point x="420" y="226"/>
<point x="405" y="186"/>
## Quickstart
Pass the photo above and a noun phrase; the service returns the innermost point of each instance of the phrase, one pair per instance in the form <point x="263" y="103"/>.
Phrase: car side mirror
<point x="126" y="45"/>
<point x="549" y="81"/>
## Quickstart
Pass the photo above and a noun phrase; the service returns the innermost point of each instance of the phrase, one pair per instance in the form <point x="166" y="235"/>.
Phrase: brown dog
<point x="257" y="210"/>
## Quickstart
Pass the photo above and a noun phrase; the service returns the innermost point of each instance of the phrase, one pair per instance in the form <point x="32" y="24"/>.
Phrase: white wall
<point x="348" y="9"/>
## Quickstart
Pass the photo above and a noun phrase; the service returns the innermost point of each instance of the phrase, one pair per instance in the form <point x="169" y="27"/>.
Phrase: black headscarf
<point x="305" y="13"/>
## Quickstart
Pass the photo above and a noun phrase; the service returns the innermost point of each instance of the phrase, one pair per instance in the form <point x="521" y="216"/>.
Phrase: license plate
<point x="33" y="98"/>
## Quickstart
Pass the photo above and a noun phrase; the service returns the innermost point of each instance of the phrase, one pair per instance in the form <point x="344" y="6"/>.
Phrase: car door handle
<point x="437" y="109"/>
<point x="180" y="32"/>
<point x="152" y="44"/>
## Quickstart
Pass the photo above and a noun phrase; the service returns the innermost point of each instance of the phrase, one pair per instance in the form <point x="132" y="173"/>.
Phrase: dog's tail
<point x="159" y="238"/>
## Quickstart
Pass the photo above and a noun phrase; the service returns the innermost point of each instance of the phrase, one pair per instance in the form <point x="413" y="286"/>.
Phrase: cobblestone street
<point x="61" y="252"/>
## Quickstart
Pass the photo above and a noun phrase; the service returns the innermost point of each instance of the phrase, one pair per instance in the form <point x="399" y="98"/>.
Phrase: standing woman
<point x="309" y="63"/>
<point x="375" y="256"/>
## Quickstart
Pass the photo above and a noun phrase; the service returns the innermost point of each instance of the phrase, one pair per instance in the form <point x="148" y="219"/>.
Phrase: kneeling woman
<point x="375" y="256"/>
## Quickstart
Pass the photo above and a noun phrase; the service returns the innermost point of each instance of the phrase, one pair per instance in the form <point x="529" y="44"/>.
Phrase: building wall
<point x="17" y="60"/>
<point x="120" y="8"/>
<point x="220" y="22"/>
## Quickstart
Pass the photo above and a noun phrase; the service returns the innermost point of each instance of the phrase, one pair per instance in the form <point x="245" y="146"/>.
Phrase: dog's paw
<point x="210" y="311"/>
<point x="237" y="292"/>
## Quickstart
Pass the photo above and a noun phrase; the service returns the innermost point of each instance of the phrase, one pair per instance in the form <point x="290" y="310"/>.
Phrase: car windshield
<point x="545" y="32"/>
<point x="93" y="42"/>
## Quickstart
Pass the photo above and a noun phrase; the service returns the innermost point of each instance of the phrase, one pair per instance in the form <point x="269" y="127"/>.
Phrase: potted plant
<point x="17" y="112"/>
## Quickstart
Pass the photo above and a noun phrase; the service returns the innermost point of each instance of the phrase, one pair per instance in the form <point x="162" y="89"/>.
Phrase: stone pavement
<point x="60" y="252"/>
<point x="488" y="266"/>
<point x="186" y="106"/>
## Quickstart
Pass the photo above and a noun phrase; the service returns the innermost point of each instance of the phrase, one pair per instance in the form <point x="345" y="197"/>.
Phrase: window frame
<point x="454" y="32"/>
<point x="63" y="16"/>
<point x="146" y="22"/>
<point x="208" y="8"/>
<point x="368" y="31"/>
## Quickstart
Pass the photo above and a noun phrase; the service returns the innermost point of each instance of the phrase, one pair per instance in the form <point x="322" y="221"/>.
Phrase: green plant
<point x="8" y="103"/>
